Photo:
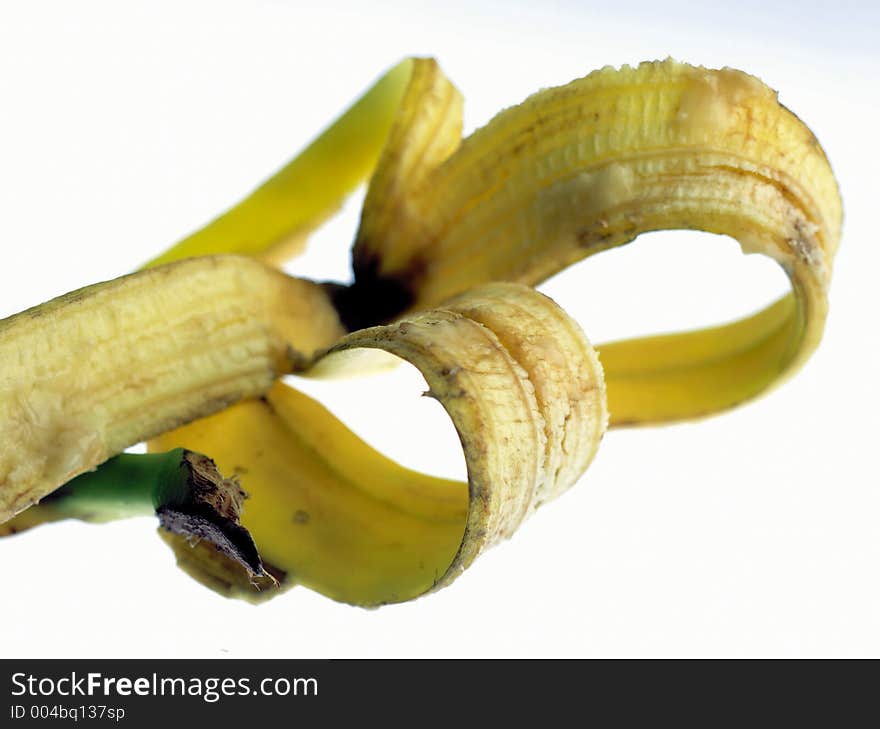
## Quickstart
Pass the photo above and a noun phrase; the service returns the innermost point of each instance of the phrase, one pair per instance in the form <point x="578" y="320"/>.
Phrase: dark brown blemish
<point x="602" y="236"/>
<point x="298" y="361"/>
<point x="374" y="298"/>
<point x="301" y="517"/>
<point x="590" y="236"/>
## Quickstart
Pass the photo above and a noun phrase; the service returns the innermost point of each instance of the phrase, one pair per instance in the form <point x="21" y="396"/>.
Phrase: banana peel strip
<point x="570" y="172"/>
<point x="524" y="389"/>
<point x="274" y="221"/>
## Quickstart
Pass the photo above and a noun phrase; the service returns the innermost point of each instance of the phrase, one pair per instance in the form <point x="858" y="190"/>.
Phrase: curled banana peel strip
<point x="570" y="172"/>
<point x="582" y="168"/>
<point x="524" y="390"/>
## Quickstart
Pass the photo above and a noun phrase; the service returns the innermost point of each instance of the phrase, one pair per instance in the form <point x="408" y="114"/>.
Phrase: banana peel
<point x="570" y="172"/>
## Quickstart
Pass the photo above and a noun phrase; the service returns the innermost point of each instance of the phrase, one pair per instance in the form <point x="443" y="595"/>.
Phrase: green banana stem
<point x="184" y="489"/>
<point x="124" y="486"/>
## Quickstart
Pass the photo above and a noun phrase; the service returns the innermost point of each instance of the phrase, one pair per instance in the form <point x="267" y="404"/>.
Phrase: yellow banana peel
<point x="568" y="173"/>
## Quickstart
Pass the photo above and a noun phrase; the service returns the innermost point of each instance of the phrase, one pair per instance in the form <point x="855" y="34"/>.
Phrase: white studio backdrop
<point x="124" y="126"/>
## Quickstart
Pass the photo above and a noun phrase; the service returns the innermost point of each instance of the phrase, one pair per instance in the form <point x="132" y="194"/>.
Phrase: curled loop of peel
<point x="523" y="388"/>
<point x="585" y="167"/>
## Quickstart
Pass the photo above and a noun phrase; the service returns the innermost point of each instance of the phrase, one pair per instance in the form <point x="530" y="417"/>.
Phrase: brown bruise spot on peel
<point x="301" y="517"/>
<point x="210" y="516"/>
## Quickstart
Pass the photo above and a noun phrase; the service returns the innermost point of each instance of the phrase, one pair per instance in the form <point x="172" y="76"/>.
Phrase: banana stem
<point x="184" y="489"/>
<point x="125" y="486"/>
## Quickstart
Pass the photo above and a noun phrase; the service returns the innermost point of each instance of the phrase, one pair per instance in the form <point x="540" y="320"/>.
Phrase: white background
<point x="125" y="125"/>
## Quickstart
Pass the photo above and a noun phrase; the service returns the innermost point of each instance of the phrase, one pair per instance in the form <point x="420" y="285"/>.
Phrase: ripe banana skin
<point x="88" y="374"/>
<point x="569" y="173"/>
<point x="524" y="389"/>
